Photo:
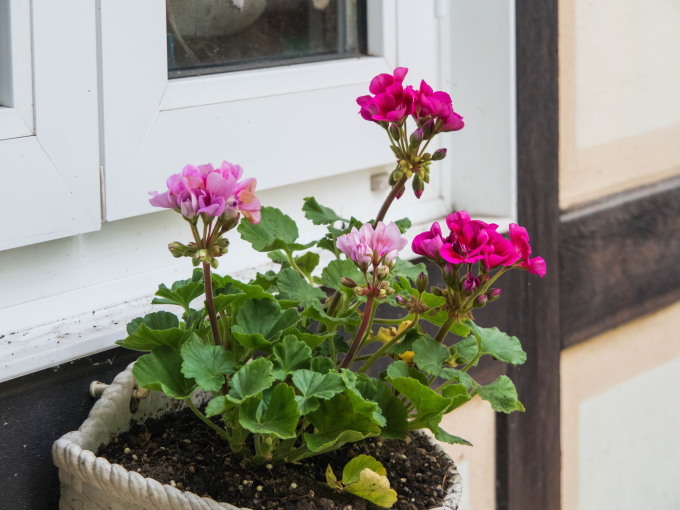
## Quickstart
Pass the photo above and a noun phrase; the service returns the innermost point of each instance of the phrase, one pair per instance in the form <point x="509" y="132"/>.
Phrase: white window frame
<point x="153" y="125"/>
<point x="49" y="136"/>
<point x="97" y="281"/>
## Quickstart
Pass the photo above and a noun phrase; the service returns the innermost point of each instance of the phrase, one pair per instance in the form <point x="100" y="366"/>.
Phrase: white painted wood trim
<point x="58" y="166"/>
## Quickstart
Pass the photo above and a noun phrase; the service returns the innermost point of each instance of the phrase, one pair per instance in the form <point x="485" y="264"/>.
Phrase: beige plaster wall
<point x="476" y="422"/>
<point x="619" y="401"/>
<point x="619" y="95"/>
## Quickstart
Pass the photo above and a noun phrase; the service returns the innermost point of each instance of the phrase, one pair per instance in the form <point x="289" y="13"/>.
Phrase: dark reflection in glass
<point x="213" y="36"/>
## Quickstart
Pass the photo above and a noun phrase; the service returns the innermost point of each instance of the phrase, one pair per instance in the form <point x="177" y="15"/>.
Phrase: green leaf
<point x="161" y="370"/>
<point x="316" y="312"/>
<point x="430" y="405"/>
<point x="392" y="408"/>
<point x="336" y="423"/>
<point x="502" y="395"/>
<point x="429" y="357"/>
<point x="409" y="269"/>
<point x="404" y="224"/>
<point x="278" y="416"/>
<point x="182" y="293"/>
<point x="312" y="339"/>
<point x="401" y="369"/>
<point x="465" y="349"/>
<point x="155" y="321"/>
<point x="445" y="437"/>
<point x="146" y="339"/>
<point x="218" y="405"/>
<point x="261" y="321"/>
<point x="295" y="288"/>
<point x="275" y="231"/>
<point x="457" y="394"/>
<point x="354" y="467"/>
<point x="322" y="364"/>
<point x="501" y="346"/>
<point x="337" y="269"/>
<point x="374" y="488"/>
<point x="265" y="280"/>
<point x="314" y="386"/>
<point x="208" y="364"/>
<point x="318" y="214"/>
<point x="251" y="380"/>
<point x="230" y="292"/>
<point x="279" y="257"/>
<point x="359" y="403"/>
<point x="289" y="355"/>
<point x="308" y="262"/>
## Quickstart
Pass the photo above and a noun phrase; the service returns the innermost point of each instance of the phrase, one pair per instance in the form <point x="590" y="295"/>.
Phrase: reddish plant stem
<point x="360" y="333"/>
<point x="210" y="303"/>
<point x="390" y="198"/>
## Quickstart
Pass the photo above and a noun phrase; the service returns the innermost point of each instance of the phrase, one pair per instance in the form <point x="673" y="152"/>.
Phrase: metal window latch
<point x="97" y="388"/>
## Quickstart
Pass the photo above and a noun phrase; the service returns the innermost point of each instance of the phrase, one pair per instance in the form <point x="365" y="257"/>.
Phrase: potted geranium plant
<point x="299" y="363"/>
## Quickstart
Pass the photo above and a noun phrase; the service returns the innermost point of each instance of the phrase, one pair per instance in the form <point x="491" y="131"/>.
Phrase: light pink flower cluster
<point x="212" y="192"/>
<point x="368" y="246"/>
<point x="471" y="241"/>
<point x="392" y="102"/>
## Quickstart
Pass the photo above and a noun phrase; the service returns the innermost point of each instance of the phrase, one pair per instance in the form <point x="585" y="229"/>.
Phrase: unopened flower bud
<point x="450" y="275"/>
<point x="421" y="282"/>
<point x="436" y="291"/>
<point x="481" y="301"/>
<point x="401" y="300"/>
<point x="348" y="282"/>
<point x="400" y="193"/>
<point x="439" y="154"/>
<point x="382" y="294"/>
<point x="470" y="284"/>
<point x="418" y="186"/>
<point x="494" y="294"/>
<point x="394" y="131"/>
<point x="382" y="271"/>
<point x="428" y="128"/>
<point x="360" y="291"/>
<point x="213" y="263"/>
<point x="416" y="137"/>
<point x="177" y="249"/>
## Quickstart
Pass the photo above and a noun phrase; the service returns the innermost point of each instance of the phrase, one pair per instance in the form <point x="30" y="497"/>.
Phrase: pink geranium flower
<point x="519" y="237"/>
<point x="368" y="246"/>
<point x="498" y="252"/>
<point x="211" y="192"/>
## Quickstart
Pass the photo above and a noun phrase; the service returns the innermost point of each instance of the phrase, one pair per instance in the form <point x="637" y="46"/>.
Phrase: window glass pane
<point x="211" y="36"/>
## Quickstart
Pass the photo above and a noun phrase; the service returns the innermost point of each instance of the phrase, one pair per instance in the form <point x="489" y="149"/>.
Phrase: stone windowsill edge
<point x="31" y="350"/>
<point x="85" y="476"/>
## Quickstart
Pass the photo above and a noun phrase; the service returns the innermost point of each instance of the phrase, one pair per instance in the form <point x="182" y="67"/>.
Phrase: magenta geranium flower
<point x="391" y="102"/>
<point x="498" y="251"/>
<point x="519" y="238"/>
<point x="372" y="246"/>
<point x="428" y="243"/>
<point x="467" y="239"/>
<point x="430" y="104"/>
<point x="214" y="193"/>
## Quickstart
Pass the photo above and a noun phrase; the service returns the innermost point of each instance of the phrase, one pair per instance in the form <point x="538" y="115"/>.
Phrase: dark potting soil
<point x="179" y="450"/>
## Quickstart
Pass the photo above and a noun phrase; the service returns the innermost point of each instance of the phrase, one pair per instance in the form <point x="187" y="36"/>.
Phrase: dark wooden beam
<point x="619" y="259"/>
<point x="528" y="461"/>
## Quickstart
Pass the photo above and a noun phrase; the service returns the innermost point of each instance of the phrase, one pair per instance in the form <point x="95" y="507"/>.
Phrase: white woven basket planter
<point x="89" y="482"/>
